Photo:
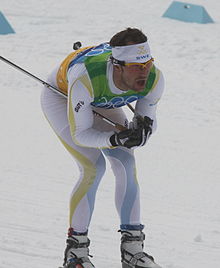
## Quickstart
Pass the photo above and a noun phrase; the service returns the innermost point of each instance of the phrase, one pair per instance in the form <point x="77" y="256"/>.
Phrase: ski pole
<point x="55" y="89"/>
<point x="109" y="121"/>
<point x="131" y="107"/>
<point x="33" y="76"/>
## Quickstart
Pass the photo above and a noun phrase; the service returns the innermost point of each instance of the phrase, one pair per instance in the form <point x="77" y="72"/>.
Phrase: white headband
<point x="132" y="53"/>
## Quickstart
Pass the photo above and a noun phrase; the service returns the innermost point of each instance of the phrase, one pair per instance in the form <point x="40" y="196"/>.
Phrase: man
<point x="101" y="80"/>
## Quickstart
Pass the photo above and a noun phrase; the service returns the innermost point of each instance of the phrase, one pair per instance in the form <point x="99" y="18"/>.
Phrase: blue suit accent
<point x="132" y="187"/>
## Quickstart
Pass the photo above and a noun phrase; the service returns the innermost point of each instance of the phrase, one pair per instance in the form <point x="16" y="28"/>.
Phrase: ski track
<point x="178" y="170"/>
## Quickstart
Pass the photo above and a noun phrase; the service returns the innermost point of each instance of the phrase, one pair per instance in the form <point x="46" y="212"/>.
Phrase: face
<point x="133" y="76"/>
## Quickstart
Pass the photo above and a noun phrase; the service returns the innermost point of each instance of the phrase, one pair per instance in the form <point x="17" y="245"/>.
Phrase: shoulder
<point x="157" y="88"/>
<point x="78" y="78"/>
<point x="159" y="82"/>
<point x="76" y="71"/>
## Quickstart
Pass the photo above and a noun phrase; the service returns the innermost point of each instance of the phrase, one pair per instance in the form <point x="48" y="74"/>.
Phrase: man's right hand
<point x="134" y="137"/>
<point x="129" y="138"/>
<point x="121" y="138"/>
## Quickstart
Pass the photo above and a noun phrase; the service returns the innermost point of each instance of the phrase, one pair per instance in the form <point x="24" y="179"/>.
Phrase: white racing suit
<point x="86" y="136"/>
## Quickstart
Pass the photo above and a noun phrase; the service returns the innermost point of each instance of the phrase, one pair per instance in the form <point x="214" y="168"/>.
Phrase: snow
<point x="178" y="170"/>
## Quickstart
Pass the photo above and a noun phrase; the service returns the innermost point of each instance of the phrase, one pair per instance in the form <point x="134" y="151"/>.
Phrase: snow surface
<point x="179" y="170"/>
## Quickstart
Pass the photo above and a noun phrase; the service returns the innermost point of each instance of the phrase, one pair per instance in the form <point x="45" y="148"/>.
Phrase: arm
<point x="81" y="116"/>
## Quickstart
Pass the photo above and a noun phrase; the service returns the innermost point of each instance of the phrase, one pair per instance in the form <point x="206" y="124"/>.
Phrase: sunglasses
<point x="138" y="64"/>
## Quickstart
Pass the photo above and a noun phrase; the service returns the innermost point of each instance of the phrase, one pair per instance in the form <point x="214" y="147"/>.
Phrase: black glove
<point x="135" y="136"/>
<point x="121" y="138"/>
<point x="142" y="127"/>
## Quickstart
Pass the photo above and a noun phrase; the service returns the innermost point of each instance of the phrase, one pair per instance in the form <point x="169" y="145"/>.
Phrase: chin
<point x="139" y="89"/>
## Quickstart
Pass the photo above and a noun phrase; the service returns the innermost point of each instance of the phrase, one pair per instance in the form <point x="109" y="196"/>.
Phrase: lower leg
<point x="81" y="209"/>
<point x="127" y="196"/>
<point x="128" y="206"/>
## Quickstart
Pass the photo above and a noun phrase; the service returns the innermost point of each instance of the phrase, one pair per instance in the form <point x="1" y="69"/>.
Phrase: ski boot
<point x="76" y="254"/>
<point x="132" y="255"/>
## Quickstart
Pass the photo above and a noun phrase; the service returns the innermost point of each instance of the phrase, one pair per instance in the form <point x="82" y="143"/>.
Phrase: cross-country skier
<point x="102" y="79"/>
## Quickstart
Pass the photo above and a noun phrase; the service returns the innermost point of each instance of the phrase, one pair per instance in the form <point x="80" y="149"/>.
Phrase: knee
<point x="93" y="172"/>
<point x="126" y="158"/>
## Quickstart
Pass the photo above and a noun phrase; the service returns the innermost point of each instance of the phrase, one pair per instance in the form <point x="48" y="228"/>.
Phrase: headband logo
<point x="142" y="50"/>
